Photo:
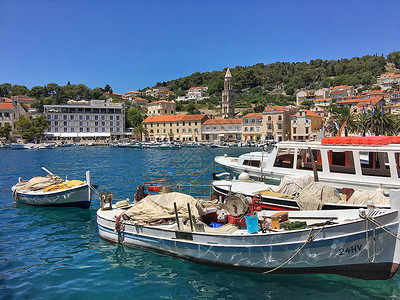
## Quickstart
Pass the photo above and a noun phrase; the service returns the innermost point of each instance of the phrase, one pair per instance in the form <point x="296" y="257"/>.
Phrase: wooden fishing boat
<point x="356" y="243"/>
<point x="343" y="162"/>
<point x="73" y="193"/>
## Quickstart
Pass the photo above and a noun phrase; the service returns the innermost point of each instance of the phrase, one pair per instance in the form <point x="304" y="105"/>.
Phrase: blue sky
<point x="134" y="44"/>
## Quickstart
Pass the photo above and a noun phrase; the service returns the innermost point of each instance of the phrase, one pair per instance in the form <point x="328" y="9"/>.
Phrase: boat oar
<point x="43" y="168"/>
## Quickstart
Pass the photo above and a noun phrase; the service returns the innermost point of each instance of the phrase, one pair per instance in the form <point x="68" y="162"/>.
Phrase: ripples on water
<point x="56" y="253"/>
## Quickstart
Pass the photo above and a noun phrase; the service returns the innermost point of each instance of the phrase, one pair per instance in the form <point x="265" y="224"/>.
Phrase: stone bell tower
<point x="228" y="97"/>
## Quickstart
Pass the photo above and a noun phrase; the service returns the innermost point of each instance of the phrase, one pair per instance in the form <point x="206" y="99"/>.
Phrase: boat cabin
<point x="361" y="157"/>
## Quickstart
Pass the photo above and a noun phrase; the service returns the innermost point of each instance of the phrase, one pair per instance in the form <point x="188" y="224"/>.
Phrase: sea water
<point x="56" y="253"/>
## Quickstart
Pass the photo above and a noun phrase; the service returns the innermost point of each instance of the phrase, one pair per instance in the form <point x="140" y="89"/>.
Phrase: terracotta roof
<point x="253" y="115"/>
<point x="24" y="98"/>
<point x="345" y="87"/>
<point x="380" y="92"/>
<point x="309" y="113"/>
<point x="6" y="105"/>
<point x="4" y="99"/>
<point x="161" y="101"/>
<point x="140" y="99"/>
<point x="222" y="121"/>
<point x="196" y="87"/>
<point x="374" y="100"/>
<point x="135" y="92"/>
<point x="169" y="118"/>
<point x="368" y="102"/>
<point x="276" y="108"/>
<point x="193" y="117"/>
<point x="349" y="101"/>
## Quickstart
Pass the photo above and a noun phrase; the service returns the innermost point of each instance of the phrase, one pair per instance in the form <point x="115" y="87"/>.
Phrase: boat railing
<point x="195" y="190"/>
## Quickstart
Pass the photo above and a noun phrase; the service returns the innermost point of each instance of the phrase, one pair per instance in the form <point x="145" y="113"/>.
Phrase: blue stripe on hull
<point x="254" y="248"/>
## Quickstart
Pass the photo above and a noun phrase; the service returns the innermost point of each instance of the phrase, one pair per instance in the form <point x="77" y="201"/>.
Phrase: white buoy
<point x="244" y="176"/>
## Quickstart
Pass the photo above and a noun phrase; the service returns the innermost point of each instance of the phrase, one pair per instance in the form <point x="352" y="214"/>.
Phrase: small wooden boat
<point x="355" y="243"/>
<point x="72" y="193"/>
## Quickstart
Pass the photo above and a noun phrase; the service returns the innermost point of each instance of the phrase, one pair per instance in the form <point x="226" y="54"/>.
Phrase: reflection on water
<point x="56" y="252"/>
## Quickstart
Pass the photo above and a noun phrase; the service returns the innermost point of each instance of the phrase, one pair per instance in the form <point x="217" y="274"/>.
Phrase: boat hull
<point x="73" y="197"/>
<point x="338" y="249"/>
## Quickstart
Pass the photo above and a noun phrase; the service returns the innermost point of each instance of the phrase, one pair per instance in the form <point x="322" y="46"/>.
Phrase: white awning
<point x="156" y="136"/>
<point x="106" y="134"/>
<point x="187" y="135"/>
<point x="85" y="134"/>
<point x="68" y="134"/>
<point x="221" y="134"/>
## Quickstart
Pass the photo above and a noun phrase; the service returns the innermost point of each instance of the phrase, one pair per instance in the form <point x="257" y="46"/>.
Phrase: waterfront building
<point x="228" y="97"/>
<point x="161" y="108"/>
<point x="186" y="128"/>
<point x="95" y="119"/>
<point x="252" y="126"/>
<point x="222" y="130"/>
<point x="305" y="125"/>
<point x="276" y="123"/>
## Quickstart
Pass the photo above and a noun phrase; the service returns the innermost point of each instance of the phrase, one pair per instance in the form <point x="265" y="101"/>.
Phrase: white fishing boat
<point x="298" y="192"/>
<point x="31" y="146"/>
<point x="357" y="243"/>
<point x="54" y="191"/>
<point x="344" y="162"/>
<point x="169" y="146"/>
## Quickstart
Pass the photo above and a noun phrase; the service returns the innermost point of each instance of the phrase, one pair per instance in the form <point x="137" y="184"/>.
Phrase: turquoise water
<point x="53" y="253"/>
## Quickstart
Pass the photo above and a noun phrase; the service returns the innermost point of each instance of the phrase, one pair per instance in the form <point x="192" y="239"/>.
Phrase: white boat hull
<point x="79" y="196"/>
<point x="339" y="249"/>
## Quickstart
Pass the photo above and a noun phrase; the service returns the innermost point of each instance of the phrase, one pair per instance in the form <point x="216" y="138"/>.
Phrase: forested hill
<point x="288" y="77"/>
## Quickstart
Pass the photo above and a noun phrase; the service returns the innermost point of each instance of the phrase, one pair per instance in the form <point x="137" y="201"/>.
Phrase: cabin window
<point x="304" y="160"/>
<point x="375" y="164"/>
<point x="397" y="156"/>
<point x="252" y="163"/>
<point x="284" y="158"/>
<point x="341" y="162"/>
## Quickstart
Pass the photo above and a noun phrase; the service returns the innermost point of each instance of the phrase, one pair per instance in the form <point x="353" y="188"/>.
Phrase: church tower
<point x="228" y="97"/>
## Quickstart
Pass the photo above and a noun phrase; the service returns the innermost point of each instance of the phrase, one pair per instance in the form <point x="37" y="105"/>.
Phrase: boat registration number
<point x="349" y="250"/>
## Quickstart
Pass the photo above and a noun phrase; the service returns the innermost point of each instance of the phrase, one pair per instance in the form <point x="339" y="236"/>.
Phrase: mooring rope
<point x="309" y="239"/>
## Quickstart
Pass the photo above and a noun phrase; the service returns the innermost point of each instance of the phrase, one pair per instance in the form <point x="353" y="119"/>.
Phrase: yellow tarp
<point x="63" y="186"/>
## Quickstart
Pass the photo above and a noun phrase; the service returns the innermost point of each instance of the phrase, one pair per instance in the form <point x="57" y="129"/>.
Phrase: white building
<point x="85" y="119"/>
<point x="194" y="93"/>
<point x="218" y="130"/>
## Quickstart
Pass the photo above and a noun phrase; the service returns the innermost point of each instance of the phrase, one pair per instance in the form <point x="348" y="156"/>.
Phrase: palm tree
<point x="344" y="115"/>
<point x="141" y="130"/>
<point x="380" y="124"/>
